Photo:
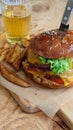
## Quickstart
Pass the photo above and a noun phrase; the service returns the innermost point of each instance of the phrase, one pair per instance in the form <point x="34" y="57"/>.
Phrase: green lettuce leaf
<point x="58" y="66"/>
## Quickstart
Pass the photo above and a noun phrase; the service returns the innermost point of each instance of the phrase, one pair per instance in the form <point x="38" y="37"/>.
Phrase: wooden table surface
<point x="45" y="15"/>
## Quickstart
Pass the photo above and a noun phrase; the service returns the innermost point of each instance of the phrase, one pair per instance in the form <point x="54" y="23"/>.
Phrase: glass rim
<point x="14" y="2"/>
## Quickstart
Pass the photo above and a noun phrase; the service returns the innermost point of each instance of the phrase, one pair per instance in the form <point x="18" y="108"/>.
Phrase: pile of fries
<point x="13" y="55"/>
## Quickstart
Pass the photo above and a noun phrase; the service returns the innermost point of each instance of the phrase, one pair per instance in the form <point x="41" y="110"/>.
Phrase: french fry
<point x="17" y="63"/>
<point x="6" y="45"/>
<point x="13" y="54"/>
<point x="12" y="77"/>
<point x="2" y="49"/>
<point x="25" y="42"/>
<point x="3" y="53"/>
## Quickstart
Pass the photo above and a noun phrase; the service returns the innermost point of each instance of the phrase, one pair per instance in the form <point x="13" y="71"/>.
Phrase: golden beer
<point x="17" y="22"/>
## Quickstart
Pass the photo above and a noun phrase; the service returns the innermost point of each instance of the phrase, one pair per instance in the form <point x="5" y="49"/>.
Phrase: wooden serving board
<point x="24" y="104"/>
<point x="46" y="15"/>
<point x="65" y="113"/>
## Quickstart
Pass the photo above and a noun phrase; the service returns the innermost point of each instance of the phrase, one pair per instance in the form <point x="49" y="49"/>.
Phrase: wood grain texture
<point x="25" y="104"/>
<point x="66" y="113"/>
<point x="46" y="15"/>
<point x="13" y="118"/>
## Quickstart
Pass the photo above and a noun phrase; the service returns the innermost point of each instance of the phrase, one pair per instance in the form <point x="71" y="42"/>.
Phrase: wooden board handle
<point x="66" y="114"/>
<point x="66" y="111"/>
<point x="24" y="104"/>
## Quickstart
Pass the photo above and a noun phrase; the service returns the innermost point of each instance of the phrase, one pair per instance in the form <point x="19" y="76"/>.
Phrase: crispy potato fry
<point x="17" y="63"/>
<point x="6" y="45"/>
<point x="2" y="49"/>
<point x="3" y="53"/>
<point x="12" y="77"/>
<point x="25" y="42"/>
<point x="13" y="53"/>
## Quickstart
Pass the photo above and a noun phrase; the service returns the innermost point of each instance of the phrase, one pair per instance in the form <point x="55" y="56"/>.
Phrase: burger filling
<point x="58" y="66"/>
<point x="56" y="70"/>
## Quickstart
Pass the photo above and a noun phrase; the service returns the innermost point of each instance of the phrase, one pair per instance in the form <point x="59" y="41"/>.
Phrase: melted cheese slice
<point x="67" y="77"/>
<point x="33" y="58"/>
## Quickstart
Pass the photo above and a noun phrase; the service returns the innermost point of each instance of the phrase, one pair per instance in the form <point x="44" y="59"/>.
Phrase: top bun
<point x="51" y="45"/>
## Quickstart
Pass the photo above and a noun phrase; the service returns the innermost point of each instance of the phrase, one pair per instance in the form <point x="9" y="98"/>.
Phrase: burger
<point x="49" y="59"/>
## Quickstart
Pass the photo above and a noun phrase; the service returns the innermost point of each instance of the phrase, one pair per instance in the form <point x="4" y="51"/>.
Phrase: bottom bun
<point x="39" y="77"/>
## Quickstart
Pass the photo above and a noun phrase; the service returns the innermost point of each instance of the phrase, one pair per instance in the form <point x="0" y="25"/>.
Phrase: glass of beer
<point x="16" y="16"/>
